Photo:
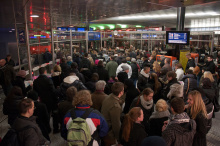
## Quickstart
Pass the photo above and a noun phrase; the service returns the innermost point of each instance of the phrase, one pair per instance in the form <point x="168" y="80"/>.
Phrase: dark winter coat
<point x="167" y="66"/>
<point x="31" y="136"/>
<point x="10" y="62"/>
<point x="87" y="73"/>
<point x="56" y="78"/>
<point x="122" y="76"/>
<point x="137" y="135"/>
<point x="91" y="86"/>
<point x="10" y="108"/>
<point x="210" y="66"/>
<point x="180" y="134"/>
<point x="167" y="89"/>
<point x="190" y="63"/>
<point x="79" y="75"/>
<point x="65" y="69"/>
<point x="43" y="118"/>
<point x="190" y="83"/>
<point x="157" y="121"/>
<point x="85" y="63"/>
<point x="147" y="113"/>
<point x="134" y="68"/>
<point x="63" y="108"/>
<point x="19" y="81"/>
<point x="143" y="81"/>
<point x="209" y="93"/>
<point x="102" y="72"/>
<point x="46" y="91"/>
<point x="97" y="98"/>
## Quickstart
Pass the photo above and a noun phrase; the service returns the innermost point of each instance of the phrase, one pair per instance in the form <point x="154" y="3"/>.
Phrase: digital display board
<point x="178" y="37"/>
<point x="62" y="28"/>
<point x="94" y="36"/>
<point x="81" y="29"/>
<point x="71" y="28"/>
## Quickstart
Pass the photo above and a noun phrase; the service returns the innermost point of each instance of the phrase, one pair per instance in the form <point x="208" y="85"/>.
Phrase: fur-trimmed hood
<point x="70" y="79"/>
<point x="162" y="114"/>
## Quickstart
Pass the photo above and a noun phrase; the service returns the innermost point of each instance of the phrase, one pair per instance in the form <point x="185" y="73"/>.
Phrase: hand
<point x="164" y="125"/>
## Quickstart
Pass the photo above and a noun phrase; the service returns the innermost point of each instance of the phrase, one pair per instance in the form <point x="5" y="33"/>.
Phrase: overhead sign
<point x="94" y="36"/>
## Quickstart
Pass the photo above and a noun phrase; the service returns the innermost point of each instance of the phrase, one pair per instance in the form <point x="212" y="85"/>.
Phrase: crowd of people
<point x="125" y="99"/>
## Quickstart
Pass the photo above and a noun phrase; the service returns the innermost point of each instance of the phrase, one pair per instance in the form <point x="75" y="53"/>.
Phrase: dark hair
<point x="42" y="70"/>
<point x="14" y="91"/>
<point x="178" y="105"/>
<point x="100" y="63"/>
<point x="70" y="93"/>
<point x="112" y="57"/>
<point x="189" y="71"/>
<point x="147" y="91"/>
<point x="171" y="74"/>
<point x="210" y="56"/>
<point x="25" y="105"/>
<point x="63" y="60"/>
<point x="124" y="60"/>
<point x="179" y="65"/>
<point x="32" y="95"/>
<point x="117" y="87"/>
<point x="86" y="55"/>
<point x="168" y="60"/>
<point x="95" y="77"/>
<point x="74" y="65"/>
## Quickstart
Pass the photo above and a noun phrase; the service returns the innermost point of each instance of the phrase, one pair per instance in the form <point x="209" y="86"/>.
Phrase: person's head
<point x="21" y="73"/>
<point x="15" y="91"/>
<point x="163" y="71"/>
<point x="196" y="104"/>
<point x="188" y="55"/>
<point x="8" y="57"/>
<point x="156" y="67"/>
<point x="133" y="60"/>
<point x="125" y="68"/>
<point x="32" y="95"/>
<point x="42" y="71"/>
<point x="177" y="105"/>
<point x="146" y="68"/>
<point x="57" y="68"/>
<point x="82" y="97"/>
<point x="206" y="83"/>
<point x="118" y="89"/>
<point x="74" y="65"/>
<point x="69" y="58"/>
<point x="209" y="58"/>
<point x="95" y="77"/>
<point x="70" y="93"/>
<point x="26" y="107"/>
<point x="178" y="65"/>
<point x="167" y="61"/>
<point x="124" y="60"/>
<point x="86" y="55"/>
<point x="189" y="71"/>
<point x="63" y="60"/>
<point x="112" y="57"/>
<point x="100" y="63"/>
<point x="161" y="105"/>
<point x="171" y="75"/>
<point x="208" y="74"/>
<point x="100" y="85"/>
<point x="148" y="94"/>
<point x="2" y="62"/>
<point x="134" y="115"/>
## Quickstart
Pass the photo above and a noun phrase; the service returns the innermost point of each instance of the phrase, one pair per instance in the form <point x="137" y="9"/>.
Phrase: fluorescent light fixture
<point x="101" y="27"/>
<point x="138" y="26"/>
<point x="35" y="16"/>
<point x="10" y="31"/>
<point x="111" y="26"/>
<point x="123" y="25"/>
<point x="94" y="28"/>
<point x="202" y="14"/>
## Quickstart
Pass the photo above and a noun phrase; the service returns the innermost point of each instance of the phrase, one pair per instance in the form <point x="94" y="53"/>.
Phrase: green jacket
<point x="111" y="110"/>
<point x="111" y="67"/>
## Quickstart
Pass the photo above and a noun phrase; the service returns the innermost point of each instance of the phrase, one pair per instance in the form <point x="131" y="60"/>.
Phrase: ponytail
<point x="127" y="125"/>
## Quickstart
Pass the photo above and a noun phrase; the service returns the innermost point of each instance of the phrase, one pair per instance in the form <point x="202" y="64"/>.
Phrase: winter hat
<point x="21" y="73"/>
<point x="206" y="83"/>
<point x="133" y="60"/>
<point x="125" y="67"/>
<point x="96" y="62"/>
<point x="153" y="141"/>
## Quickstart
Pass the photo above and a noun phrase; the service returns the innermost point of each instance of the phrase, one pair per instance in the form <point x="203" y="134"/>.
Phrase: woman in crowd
<point x="179" y="71"/>
<point x="10" y="105"/>
<point x="197" y="111"/>
<point x="157" y="86"/>
<point x="158" y="117"/>
<point x="145" y="102"/>
<point x="56" y="76"/>
<point x="156" y="68"/>
<point x="133" y="131"/>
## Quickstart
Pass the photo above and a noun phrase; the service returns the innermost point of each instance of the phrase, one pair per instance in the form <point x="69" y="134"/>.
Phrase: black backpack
<point x="11" y="137"/>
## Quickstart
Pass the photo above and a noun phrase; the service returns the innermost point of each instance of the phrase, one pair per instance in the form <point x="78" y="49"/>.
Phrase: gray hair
<point x="100" y="85"/>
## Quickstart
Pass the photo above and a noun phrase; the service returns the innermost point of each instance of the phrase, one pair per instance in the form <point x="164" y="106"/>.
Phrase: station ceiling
<point x="76" y="12"/>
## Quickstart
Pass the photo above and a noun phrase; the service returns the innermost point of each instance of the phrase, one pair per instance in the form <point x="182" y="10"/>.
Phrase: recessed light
<point x="34" y="16"/>
<point x="10" y="31"/>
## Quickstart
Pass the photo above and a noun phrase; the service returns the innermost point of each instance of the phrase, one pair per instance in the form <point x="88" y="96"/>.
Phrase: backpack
<point x="11" y="137"/>
<point x="78" y="131"/>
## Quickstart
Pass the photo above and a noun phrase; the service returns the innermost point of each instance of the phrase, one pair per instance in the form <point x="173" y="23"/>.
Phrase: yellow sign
<point x="183" y="59"/>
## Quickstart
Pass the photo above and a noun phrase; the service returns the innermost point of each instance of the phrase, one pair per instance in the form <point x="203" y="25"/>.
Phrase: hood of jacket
<point x="144" y="74"/>
<point x="55" y="74"/>
<point x="70" y="79"/>
<point x="188" y="76"/>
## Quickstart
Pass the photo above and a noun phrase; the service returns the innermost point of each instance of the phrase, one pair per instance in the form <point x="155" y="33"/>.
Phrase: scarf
<point x="162" y="114"/>
<point x="144" y="74"/>
<point x="146" y="104"/>
<point x="179" y="118"/>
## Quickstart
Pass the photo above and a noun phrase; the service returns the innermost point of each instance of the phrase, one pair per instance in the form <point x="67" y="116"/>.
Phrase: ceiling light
<point x="138" y="26"/>
<point x="111" y="26"/>
<point x="34" y="16"/>
<point x="10" y="31"/>
<point x="101" y="27"/>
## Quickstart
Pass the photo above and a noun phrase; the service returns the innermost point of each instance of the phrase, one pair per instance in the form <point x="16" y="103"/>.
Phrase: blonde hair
<point x="208" y="74"/>
<point x="198" y="105"/>
<point x="91" y="60"/>
<point x="57" y="68"/>
<point x="161" y="105"/>
<point x="82" y="97"/>
<point x="156" y="67"/>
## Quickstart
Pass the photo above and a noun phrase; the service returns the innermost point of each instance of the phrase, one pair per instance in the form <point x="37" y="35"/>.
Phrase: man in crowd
<point x="180" y="129"/>
<point x="210" y="65"/>
<point x="85" y="62"/>
<point x="111" y="66"/>
<point x="111" y="110"/>
<point x="143" y="78"/>
<point x="167" y="64"/>
<point x="119" y="69"/>
<point x="191" y="61"/>
<point x="9" y="61"/>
